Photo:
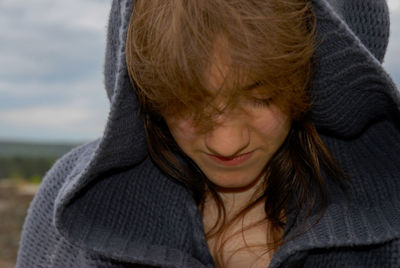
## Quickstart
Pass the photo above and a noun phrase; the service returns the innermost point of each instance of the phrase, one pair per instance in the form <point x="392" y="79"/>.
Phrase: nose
<point x="228" y="138"/>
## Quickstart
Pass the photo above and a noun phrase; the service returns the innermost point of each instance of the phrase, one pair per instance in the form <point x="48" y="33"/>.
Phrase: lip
<point x="234" y="161"/>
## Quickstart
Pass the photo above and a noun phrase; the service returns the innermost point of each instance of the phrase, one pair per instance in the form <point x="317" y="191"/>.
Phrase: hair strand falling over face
<point x="169" y="48"/>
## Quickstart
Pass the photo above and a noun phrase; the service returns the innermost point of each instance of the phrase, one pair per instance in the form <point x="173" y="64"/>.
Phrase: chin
<point x="235" y="182"/>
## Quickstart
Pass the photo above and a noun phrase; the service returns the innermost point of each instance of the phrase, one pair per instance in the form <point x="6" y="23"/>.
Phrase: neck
<point x="236" y="199"/>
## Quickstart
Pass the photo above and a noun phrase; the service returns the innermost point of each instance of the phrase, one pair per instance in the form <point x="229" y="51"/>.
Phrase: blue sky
<point x="51" y="61"/>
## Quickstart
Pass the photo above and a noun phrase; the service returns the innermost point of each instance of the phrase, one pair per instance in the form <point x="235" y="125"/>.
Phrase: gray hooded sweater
<point x="105" y="203"/>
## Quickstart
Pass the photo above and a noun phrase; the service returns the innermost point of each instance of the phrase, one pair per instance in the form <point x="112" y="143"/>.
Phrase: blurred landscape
<point x="22" y="167"/>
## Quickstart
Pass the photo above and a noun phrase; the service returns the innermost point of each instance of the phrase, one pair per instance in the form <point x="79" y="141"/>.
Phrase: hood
<point x="119" y="204"/>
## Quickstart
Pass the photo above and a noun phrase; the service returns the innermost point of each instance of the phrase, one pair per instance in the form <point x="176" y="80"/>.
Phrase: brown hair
<point x="170" y="46"/>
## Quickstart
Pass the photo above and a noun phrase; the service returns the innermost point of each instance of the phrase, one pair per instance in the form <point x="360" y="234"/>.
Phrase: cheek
<point x="272" y="125"/>
<point x="183" y="132"/>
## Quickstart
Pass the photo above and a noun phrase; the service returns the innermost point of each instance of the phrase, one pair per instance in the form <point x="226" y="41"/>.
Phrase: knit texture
<point x="106" y="204"/>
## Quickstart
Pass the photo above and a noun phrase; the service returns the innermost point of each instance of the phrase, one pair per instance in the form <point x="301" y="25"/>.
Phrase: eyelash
<point x="261" y="102"/>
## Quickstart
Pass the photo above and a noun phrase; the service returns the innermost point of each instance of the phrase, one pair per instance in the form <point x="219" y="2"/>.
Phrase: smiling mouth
<point x="231" y="161"/>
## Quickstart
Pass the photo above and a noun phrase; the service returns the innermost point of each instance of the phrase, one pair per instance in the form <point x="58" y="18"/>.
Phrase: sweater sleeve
<point x="386" y="255"/>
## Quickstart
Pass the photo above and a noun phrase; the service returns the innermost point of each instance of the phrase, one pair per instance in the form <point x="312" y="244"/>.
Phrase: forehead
<point x="221" y="74"/>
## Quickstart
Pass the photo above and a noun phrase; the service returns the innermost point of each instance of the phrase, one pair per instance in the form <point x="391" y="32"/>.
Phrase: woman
<point x="241" y="134"/>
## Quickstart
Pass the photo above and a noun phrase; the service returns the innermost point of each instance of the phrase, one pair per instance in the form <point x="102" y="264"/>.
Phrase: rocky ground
<point x="14" y="202"/>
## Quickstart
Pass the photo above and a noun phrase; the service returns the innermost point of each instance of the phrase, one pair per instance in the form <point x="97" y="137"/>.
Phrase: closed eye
<point x="258" y="102"/>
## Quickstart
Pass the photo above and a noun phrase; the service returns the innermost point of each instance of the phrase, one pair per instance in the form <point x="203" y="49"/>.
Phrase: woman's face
<point x="240" y="143"/>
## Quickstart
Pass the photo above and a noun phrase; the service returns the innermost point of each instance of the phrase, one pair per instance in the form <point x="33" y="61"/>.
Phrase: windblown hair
<point x="171" y="46"/>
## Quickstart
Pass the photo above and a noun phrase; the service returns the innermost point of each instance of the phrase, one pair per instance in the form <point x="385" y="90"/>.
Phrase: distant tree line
<point x="26" y="168"/>
<point x="28" y="160"/>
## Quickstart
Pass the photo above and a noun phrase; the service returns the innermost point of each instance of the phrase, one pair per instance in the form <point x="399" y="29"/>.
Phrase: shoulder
<point x="65" y="167"/>
<point x="385" y="255"/>
<point x="39" y="238"/>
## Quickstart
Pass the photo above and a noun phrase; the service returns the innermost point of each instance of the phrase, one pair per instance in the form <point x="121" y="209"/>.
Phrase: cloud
<point x="52" y="55"/>
<point x="23" y="93"/>
<point x="394" y="5"/>
<point x="53" y="121"/>
<point x="392" y="59"/>
<point x="52" y="40"/>
<point x="45" y="111"/>
<point x="51" y="116"/>
<point x="78" y="14"/>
